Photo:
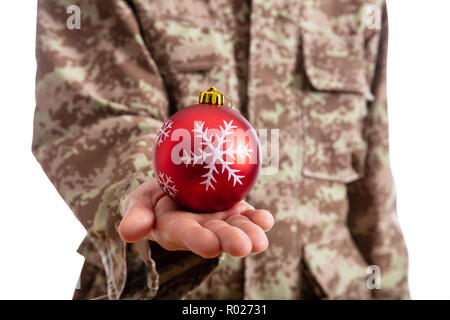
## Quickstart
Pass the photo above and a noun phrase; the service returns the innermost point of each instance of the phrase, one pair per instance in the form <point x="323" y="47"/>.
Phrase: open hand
<point x="149" y="213"/>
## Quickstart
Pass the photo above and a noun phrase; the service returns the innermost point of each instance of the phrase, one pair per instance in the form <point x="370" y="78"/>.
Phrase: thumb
<point x="137" y="223"/>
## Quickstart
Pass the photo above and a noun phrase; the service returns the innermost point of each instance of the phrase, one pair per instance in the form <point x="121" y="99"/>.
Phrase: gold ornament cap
<point x="212" y="96"/>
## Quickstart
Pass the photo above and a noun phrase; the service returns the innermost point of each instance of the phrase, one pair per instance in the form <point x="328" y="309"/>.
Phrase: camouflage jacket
<point x="314" y="69"/>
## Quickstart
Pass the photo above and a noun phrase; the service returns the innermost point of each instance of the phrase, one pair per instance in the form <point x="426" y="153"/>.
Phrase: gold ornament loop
<point x="212" y="96"/>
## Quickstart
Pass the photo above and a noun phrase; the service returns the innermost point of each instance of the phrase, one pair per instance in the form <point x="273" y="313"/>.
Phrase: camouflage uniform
<point x="311" y="68"/>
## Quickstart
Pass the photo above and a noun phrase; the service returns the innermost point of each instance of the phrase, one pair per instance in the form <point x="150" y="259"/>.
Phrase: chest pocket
<point x="335" y="106"/>
<point x="192" y="54"/>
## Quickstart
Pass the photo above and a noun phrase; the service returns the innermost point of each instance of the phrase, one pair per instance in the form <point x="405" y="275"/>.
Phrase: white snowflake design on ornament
<point x="214" y="149"/>
<point x="164" y="132"/>
<point x="166" y="184"/>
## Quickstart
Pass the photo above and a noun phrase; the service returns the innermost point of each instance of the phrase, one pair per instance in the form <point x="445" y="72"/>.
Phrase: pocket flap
<point x="336" y="63"/>
<point x="194" y="58"/>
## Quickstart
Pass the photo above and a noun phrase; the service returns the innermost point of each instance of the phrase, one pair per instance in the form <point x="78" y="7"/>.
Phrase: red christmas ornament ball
<point x="206" y="157"/>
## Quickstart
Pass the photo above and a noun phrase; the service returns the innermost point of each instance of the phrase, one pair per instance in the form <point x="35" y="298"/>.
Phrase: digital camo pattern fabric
<point x="314" y="69"/>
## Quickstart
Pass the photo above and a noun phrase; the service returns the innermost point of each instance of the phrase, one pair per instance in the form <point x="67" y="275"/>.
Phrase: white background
<point x="39" y="234"/>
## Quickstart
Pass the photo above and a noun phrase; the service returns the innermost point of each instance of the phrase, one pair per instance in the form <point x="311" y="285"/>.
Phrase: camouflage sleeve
<point x="372" y="213"/>
<point x="100" y="102"/>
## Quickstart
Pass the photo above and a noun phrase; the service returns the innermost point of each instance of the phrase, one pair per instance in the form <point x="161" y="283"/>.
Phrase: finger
<point x="164" y="205"/>
<point x="232" y="240"/>
<point x="137" y="223"/>
<point x="186" y="234"/>
<point x="262" y="218"/>
<point x="147" y="193"/>
<point x="202" y="242"/>
<point x="253" y="231"/>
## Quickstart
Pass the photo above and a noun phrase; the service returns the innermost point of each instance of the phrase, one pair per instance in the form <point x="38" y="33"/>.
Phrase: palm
<point x="237" y="231"/>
